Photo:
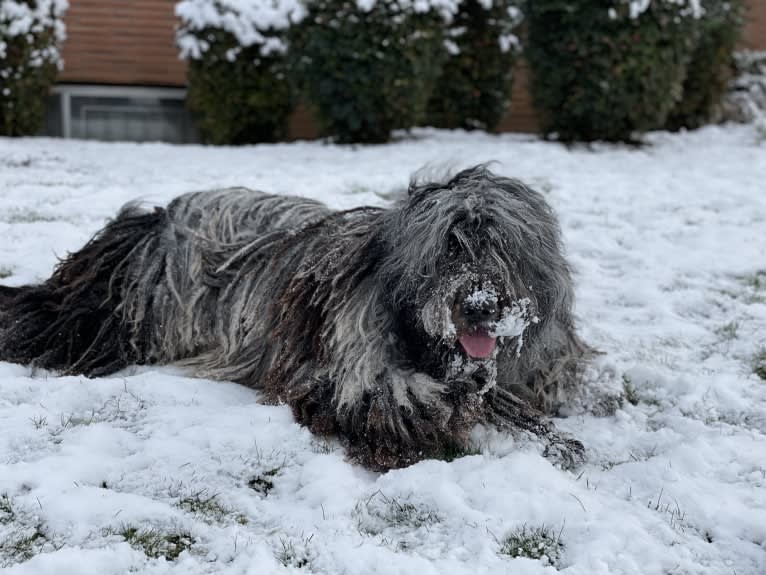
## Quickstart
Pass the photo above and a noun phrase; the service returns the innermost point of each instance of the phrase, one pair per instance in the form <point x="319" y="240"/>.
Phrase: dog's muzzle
<point x="474" y="318"/>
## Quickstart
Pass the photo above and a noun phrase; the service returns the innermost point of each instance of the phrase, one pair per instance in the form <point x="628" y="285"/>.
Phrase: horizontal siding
<point x="122" y="42"/>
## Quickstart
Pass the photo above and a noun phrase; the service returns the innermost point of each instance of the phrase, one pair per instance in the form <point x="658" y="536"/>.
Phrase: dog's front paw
<point x="564" y="451"/>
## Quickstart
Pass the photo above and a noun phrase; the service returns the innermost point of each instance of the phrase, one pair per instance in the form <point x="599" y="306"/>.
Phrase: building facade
<point x="123" y="78"/>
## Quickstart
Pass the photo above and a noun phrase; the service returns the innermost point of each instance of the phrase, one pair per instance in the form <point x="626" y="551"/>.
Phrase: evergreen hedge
<point x="368" y="70"/>
<point x="239" y="91"/>
<point x="602" y="70"/>
<point x="474" y="89"/>
<point x="30" y="33"/>
<point x="240" y="99"/>
<point x="711" y="64"/>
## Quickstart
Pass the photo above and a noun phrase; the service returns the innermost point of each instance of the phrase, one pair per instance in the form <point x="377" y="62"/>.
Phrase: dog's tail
<point x="73" y="322"/>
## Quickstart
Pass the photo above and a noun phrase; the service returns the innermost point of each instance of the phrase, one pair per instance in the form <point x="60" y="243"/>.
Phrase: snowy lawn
<point x="152" y="471"/>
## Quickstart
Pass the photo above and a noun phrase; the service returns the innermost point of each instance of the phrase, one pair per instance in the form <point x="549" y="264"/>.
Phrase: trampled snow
<point x="668" y="243"/>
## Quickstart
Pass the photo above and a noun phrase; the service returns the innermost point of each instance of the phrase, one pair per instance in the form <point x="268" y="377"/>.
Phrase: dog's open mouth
<point x="478" y="345"/>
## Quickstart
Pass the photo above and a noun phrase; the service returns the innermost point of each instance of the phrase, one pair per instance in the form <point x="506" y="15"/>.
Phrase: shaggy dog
<point x="397" y="329"/>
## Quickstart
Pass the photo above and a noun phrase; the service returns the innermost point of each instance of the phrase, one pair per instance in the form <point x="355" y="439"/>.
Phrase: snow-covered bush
<point x="710" y="68"/>
<point x="474" y="89"/>
<point x="369" y="66"/>
<point x="238" y="84"/>
<point x="608" y="69"/>
<point x="31" y="32"/>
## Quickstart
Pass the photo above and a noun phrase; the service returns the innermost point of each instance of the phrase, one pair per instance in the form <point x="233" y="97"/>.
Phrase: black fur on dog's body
<point x="355" y="319"/>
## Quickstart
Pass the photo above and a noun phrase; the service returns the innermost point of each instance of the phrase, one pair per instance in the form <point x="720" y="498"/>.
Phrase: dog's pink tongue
<point x="478" y="345"/>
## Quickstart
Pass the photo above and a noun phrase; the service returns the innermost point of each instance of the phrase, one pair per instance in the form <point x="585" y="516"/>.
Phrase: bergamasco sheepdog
<point x="398" y="329"/>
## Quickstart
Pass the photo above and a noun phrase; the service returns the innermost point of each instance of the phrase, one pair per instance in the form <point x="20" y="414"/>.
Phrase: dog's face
<point x="474" y="270"/>
<point x="473" y="315"/>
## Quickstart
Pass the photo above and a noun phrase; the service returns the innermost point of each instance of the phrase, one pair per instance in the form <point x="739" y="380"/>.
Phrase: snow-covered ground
<point x="669" y="244"/>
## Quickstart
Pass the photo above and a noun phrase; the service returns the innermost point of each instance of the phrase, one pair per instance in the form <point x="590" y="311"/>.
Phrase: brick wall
<point x="133" y="42"/>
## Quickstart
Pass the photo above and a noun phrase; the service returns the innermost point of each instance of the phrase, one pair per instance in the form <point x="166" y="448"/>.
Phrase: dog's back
<point x="236" y="215"/>
<point x="100" y="309"/>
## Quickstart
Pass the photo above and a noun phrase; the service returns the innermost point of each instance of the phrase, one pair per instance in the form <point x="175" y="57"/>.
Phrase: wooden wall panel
<point x="122" y="42"/>
<point x="755" y="27"/>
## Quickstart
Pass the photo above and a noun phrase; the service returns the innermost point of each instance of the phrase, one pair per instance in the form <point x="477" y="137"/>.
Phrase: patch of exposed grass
<point x="755" y="281"/>
<point x="11" y="163"/>
<point x="380" y="512"/>
<point x="22" y="535"/>
<point x="5" y="272"/>
<point x="22" y="546"/>
<point x="39" y="421"/>
<point x="209" y="509"/>
<point x="205" y="506"/>
<point x="295" y="553"/>
<point x="264" y="482"/>
<point x="728" y="331"/>
<point x="7" y="514"/>
<point x="123" y="407"/>
<point x="670" y="510"/>
<point x="759" y="363"/>
<point x="25" y="216"/>
<point x="154" y="542"/>
<point x="541" y="543"/>
<point x="631" y="394"/>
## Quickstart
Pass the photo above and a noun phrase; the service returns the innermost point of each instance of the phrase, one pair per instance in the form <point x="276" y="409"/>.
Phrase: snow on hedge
<point x="29" y="20"/>
<point x="251" y="22"/>
<point x="635" y="8"/>
<point x="258" y="22"/>
<point x="638" y="7"/>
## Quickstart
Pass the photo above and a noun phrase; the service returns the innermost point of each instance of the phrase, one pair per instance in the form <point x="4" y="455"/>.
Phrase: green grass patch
<point x="295" y="554"/>
<point x="264" y="482"/>
<point x="5" y="272"/>
<point x="756" y="280"/>
<point x="541" y="543"/>
<point x="380" y="512"/>
<point x="22" y="535"/>
<point x="209" y="509"/>
<point x="25" y="216"/>
<point x="728" y="331"/>
<point x="22" y="546"/>
<point x="7" y="514"/>
<point x="154" y="542"/>
<point x="759" y="363"/>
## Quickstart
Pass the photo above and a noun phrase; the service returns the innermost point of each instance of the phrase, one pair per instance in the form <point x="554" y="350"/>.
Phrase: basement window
<point x="120" y="113"/>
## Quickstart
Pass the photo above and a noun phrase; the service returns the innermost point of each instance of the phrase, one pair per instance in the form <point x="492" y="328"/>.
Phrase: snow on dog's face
<point x="472" y="318"/>
<point x="475" y="269"/>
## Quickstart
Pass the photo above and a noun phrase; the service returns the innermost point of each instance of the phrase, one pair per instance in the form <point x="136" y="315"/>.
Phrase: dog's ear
<point x="333" y="316"/>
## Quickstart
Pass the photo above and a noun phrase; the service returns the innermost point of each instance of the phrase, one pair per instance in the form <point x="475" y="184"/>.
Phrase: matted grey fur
<point x="397" y="329"/>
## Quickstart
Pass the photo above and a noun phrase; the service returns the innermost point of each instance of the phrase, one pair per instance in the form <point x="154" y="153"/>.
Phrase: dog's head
<point x="473" y="270"/>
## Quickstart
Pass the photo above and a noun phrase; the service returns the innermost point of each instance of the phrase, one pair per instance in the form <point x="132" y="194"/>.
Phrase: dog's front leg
<point x="508" y="412"/>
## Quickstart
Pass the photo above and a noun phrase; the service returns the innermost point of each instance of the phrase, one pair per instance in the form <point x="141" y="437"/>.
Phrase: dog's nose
<point x="480" y="311"/>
